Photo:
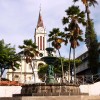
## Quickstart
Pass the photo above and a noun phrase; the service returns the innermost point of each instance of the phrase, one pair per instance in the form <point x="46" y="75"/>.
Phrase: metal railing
<point x="80" y="79"/>
<point x="88" y="79"/>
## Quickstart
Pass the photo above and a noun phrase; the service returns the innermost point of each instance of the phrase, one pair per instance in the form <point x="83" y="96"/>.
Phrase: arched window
<point x="16" y="77"/>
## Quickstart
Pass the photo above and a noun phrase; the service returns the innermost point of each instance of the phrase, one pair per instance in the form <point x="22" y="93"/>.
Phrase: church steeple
<point x="40" y="37"/>
<point x="40" y="20"/>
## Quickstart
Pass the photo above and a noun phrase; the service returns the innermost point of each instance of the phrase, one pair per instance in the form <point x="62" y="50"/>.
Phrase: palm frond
<point x="29" y="49"/>
<point x="50" y="39"/>
<point x="80" y="38"/>
<point x="84" y="2"/>
<point x="59" y="40"/>
<point x="92" y="2"/>
<point x="81" y="14"/>
<point x="75" y="0"/>
<point x="28" y="42"/>
<point x="65" y="20"/>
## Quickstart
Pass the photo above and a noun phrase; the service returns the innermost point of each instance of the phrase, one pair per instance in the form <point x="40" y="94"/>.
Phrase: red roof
<point x="10" y="83"/>
<point x="40" y="21"/>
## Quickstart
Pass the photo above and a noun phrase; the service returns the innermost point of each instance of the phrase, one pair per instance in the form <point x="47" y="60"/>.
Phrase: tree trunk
<point x="88" y="14"/>
<point x="2" y="71"/>
<point x="32" y="66"/>
<point x="88" y="25"/>
<point x="69" y="65"/>
<point x="61" y="67"/>
<point x="74" y="65"/>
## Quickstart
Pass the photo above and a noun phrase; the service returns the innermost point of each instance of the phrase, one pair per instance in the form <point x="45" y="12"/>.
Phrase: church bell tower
<point x="40" y="37"/>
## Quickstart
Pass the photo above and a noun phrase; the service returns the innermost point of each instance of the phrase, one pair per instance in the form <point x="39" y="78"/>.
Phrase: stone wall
<point x="7" y="91"/>
<point x="49" y="89"/>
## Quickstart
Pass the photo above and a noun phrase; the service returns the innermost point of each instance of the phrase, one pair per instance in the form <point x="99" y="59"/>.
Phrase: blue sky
<point x="18" y="20"/>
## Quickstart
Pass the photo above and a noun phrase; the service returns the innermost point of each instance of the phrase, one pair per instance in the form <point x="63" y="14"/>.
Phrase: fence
<point x="80" y="79"/>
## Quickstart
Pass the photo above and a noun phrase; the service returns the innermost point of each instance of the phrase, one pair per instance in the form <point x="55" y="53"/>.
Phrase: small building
<point x="82" y="68"/>
<point x="83" y="71"/>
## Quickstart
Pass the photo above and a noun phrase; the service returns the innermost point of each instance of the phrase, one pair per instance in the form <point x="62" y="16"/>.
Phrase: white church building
<point x="24" y="73"/>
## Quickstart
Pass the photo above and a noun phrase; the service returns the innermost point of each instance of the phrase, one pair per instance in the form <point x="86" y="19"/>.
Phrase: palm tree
<point x="30" y="51"/>
<point x="55" y="38"/>
<point x="87" y="4"/>
<point x="91" y="38"/>
<point x="74" y="16"/>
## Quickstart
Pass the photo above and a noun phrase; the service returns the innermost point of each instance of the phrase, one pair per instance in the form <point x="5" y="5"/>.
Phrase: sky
<point x="18" y="20"/>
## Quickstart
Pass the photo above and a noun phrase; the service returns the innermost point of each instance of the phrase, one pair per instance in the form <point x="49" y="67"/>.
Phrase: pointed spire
<point x="40" y="21"/>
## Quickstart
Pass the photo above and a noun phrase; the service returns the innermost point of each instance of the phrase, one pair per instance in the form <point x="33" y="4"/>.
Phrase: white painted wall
<point x="7" y="91"/>
<point x="93" y="89"/>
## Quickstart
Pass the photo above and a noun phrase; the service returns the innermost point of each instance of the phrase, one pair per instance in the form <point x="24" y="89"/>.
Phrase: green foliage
<point x="73" y="10"/>
<point x="65" y="20"/>
<point x="75" y="0"/>
<point x="55" y="38"/>
<point x="57" y="66"/>
<point x="66" y="64"/>
<point x="29" y="49"/>
<point x="91" y="38"/>
<point x="74" y="17"/>
<point x="8" y="57"/>
<point x="92" y="44"/>
<point x="43" y="69"/>
<point x="90" y="2"/>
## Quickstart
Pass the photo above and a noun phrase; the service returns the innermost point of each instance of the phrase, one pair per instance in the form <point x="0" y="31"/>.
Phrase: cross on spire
<point x="40" y="7"/>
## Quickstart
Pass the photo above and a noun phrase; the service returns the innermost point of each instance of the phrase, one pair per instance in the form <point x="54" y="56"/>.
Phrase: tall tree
<point x="73" y="19"/>
<point x="55" y="38"/>
<point x="87" y="4"/>
<point x="29" y="49"/>
<point x="93" y="53"/>
<point x="91" y="38"/>
<point x="8" y="57"/>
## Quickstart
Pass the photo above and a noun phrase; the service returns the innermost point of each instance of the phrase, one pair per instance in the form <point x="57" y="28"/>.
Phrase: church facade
<point x="24" y="73"/>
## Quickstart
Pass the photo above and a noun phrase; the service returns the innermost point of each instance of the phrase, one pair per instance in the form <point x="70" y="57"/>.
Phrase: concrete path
<point x="54" y="98"/>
